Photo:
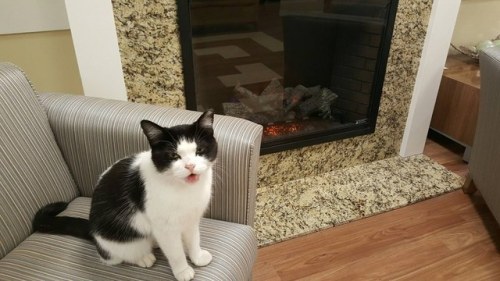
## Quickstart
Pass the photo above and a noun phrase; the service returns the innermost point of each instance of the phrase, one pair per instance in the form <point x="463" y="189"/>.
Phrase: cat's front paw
<point x="203" y="258"/>
<point x="146" y="261"/>
<point x="185" y="274"/>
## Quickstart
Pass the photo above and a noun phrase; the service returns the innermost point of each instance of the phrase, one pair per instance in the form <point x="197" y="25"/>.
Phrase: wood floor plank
<point x="397" y="260"/>
<point x="350" y="247"/>
<point x="475" y="262"/>
<point x="450" y="237"/>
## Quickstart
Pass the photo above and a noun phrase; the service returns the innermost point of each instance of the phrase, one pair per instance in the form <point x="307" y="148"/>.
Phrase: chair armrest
<point x="93" y="133"/>
<point x="485" y="153"/>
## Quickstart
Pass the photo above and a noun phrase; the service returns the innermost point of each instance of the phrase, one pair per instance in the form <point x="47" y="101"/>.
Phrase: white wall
<point x="477" y="20"/>
<point x="96" y="46"/>
<point x="22" y="16"/>
<point x="435" y="51"/>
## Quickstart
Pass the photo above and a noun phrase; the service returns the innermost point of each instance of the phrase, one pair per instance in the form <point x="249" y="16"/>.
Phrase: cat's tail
<point x="46" y="222"/>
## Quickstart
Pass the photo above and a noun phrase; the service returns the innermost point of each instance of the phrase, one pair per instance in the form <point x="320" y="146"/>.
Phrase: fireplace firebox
<point x="309" y="71"/>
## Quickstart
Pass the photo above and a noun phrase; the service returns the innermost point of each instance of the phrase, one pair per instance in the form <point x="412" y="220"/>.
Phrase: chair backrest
<point x="93" y="133"/>
<point x="32" y="169"/>
<point x="486" y="150"/>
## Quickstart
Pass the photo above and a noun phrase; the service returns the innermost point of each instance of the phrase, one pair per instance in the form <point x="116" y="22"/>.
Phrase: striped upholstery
<point x="486" y="151"/>
<point x="93" y="133"/>
<point x="90" y="134"/>
<point x="52" y="257"/>
<point x="32" y="169"/>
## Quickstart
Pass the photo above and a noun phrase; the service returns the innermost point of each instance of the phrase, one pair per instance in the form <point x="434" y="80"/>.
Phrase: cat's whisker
<point x="219" y="176"/>
<point x="219" y="168"/>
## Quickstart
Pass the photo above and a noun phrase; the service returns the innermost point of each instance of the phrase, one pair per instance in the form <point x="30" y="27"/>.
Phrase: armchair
<point x="485" y="154"/>
<point x="53" y="147"/>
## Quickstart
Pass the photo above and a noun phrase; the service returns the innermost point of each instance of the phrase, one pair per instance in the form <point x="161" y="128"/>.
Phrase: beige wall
<point x="48" y="58"/>
<point x="477" y="20"/>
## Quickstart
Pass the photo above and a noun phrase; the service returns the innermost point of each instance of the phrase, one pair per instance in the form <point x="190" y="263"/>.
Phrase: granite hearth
<point x="298" y="207"/>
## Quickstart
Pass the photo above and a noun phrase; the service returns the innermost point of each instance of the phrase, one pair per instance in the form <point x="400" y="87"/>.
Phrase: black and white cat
<point x="156" y="196"/>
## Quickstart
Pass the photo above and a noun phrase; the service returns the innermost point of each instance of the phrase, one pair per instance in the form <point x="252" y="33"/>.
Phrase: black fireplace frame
<point x="293" y="142"/>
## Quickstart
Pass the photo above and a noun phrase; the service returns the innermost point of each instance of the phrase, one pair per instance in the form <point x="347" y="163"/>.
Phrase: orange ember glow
<point x="275" y="130"/>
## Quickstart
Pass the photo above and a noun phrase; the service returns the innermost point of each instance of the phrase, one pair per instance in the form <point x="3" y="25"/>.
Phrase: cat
<point x="156" y="196"/>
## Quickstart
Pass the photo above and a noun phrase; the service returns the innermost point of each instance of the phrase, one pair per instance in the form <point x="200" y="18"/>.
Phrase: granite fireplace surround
<point x="150" y="52"/>
<point x="151" y="59"/>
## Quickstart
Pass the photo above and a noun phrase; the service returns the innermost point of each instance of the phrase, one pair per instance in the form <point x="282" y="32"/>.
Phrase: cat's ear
<point x="153" y="131"/>
<point x="206" y="120"/>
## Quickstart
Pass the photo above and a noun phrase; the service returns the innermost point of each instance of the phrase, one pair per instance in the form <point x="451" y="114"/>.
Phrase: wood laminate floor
<point x="450" y="237"/>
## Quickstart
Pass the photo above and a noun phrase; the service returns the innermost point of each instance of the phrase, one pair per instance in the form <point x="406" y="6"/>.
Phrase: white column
<point x="96" y="46"/>
<point x="434" y="53"/>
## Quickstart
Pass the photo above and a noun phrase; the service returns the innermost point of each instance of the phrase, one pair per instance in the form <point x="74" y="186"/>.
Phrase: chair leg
<point x="469" y="187"/>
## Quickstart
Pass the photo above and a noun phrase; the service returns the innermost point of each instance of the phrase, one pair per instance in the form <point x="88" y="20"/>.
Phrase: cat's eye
<point x="173" y="155"/>
<point x="200" y="150"/>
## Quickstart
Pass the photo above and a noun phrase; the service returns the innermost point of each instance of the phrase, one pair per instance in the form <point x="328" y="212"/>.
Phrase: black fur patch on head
<point x="164" y="141"/>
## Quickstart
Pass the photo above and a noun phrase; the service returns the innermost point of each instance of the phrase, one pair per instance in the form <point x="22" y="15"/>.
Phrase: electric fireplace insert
<point x="309" y="71"/>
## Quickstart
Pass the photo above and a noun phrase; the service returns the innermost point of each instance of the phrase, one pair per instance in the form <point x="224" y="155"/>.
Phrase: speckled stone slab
<point x="148" y="37"/>
<point x="310" y="204"/>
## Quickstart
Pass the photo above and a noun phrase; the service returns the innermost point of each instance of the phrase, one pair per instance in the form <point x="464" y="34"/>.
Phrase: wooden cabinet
<point x="455" y="112"/>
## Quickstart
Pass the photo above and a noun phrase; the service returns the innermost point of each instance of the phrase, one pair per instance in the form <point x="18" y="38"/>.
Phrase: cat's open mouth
<point x="192" y="178"/>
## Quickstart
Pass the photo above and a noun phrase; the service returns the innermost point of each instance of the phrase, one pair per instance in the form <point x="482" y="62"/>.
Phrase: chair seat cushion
<point x="56" y="257"/>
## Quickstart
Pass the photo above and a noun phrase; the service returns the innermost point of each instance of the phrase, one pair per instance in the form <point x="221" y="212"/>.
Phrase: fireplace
<point x="309" y="71"/>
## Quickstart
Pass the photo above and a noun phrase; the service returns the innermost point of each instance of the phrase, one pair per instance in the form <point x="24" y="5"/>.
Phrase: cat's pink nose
<point x="190" y="167"/>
